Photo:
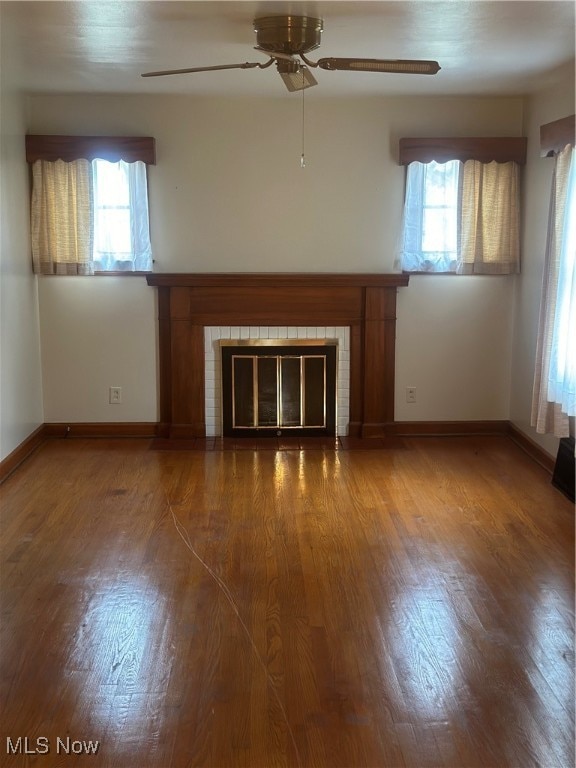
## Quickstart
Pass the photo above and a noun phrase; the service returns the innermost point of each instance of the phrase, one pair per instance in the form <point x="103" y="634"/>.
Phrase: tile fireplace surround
<point x="189" y="303"/>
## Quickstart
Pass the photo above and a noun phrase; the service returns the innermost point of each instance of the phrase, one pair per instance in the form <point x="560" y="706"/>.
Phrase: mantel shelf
<point x="268" y="279"/>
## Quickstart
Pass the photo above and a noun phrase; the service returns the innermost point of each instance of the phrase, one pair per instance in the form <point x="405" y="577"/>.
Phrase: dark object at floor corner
<point x="563" y="476"/>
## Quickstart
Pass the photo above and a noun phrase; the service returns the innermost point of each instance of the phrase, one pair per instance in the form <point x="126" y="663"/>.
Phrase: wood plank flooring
<point x="409" y="606"/>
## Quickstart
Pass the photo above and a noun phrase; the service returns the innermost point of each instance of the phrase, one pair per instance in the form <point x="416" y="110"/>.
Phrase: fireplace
<point x="188" y="304"/>
<point x="216" y="336"/>
<point x="278" y="387"/>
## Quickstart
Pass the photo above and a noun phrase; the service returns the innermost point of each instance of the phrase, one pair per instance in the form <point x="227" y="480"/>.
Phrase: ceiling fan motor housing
<point x="290" y="35"/>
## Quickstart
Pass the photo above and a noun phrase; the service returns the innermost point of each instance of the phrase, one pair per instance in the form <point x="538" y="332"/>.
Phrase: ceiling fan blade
<point x="404" y="66"/>
<point x="246" y="65"/>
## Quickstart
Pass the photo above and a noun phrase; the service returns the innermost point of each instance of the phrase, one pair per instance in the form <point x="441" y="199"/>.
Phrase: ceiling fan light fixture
<point x="299" y="80"/>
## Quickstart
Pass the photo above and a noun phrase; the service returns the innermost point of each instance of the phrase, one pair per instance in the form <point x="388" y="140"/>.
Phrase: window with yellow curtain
<point x="61" y="218"/>
<point x="461" y="217"/>
<point x="461" y="204"/>
<point x="89" y="206"/>
<point x="89" y="216"/>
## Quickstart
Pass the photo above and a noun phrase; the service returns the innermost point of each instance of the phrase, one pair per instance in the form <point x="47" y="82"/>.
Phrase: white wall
<point x="555" y="102"/>
<point x="20" y="375"/>
<point x="97" y="333"/>
<point x="228" y="194"/>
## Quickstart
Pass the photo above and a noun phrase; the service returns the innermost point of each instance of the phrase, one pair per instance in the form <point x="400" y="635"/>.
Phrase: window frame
<point x="54" y="147"/>
<point x="484" y="149"/>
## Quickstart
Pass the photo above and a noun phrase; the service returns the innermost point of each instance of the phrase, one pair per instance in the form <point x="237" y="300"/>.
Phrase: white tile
<point x="213" y="386"/>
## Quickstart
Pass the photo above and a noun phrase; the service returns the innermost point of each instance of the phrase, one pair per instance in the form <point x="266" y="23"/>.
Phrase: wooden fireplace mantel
<point x="364" y="302"/>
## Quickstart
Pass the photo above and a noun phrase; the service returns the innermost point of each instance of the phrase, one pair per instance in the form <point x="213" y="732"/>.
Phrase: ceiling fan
<point x="283" y="38"/>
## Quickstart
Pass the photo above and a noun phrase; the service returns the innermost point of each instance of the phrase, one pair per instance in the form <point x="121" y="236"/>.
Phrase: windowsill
<point x="121" y="273"/>
<point x="100" y="274"/>
<point x="426" y="272"/>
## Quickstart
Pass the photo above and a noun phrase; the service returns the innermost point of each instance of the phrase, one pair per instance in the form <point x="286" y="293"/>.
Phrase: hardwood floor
<point x="411" y="605"/>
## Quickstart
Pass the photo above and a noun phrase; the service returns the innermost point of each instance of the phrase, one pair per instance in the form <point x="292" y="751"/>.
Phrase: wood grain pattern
<point x="69" y="148"/>
<point x="556" y="135"/>
<point x="364" y="302"/>
<point x="21" y="452"/>
<point x="406" y="606"/>
<point x="502" y="149"/>
<point x="275" y="279"/>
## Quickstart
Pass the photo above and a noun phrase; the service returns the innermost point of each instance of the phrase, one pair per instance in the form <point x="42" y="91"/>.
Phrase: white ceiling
<point x="483" y="47"/>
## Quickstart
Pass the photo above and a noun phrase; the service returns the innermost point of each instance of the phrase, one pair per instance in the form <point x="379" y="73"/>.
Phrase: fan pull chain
<point x="302" y="156"/>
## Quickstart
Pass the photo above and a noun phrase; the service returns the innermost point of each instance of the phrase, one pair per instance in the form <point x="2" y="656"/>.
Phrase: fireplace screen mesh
<point x="272" y="389"/>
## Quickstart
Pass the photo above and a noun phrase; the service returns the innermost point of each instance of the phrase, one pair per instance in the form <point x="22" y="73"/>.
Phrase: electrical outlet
<point x="410" y="394"/>
<point x="115" y="395"/>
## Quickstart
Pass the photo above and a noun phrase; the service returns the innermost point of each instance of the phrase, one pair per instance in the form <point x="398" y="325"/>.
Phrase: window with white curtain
<point x="89" y="217"/>
<point x="461" y="217"/>
<point x="562" y="373"/>
<point x="121" y="240"/>
<point x="554" y="398"/>
<point x="89" y="204"/>
<point x="430" y="236"/>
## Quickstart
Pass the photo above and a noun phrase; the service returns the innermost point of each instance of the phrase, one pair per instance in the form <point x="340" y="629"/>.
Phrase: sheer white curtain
<point x="121" y="227"/>
<point x="554" y="397"/>
<point x="430" y="227"/>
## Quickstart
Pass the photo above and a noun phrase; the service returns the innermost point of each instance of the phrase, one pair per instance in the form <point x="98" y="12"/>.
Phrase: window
<point x="554" y="396"/>
<point x="431" y="217"/>
<point x="121" y="240"/>
<point x="562" y="372"/>
<point x="461" y="217"/>
<point x="462" y="204"/>
<point x="89" y="209"/>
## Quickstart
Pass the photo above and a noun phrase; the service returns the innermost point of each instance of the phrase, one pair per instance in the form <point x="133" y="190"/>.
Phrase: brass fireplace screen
<point x="270" y="387"/>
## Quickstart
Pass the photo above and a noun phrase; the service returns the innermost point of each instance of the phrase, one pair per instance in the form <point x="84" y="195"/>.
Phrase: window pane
<point x="112" y="232"/>
<point x="430" y="237"/>
<point x="111" y="187"/>
<point x="121" y="231"/>
<point x="442" y="183"/>
<point x="439" y="230"/>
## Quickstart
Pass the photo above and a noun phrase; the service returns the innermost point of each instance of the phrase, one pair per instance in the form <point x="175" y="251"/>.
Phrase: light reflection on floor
<point x="113" y="642"/>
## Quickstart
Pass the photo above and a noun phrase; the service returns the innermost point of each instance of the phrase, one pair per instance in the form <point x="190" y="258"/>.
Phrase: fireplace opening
<point x="274" y="387"/>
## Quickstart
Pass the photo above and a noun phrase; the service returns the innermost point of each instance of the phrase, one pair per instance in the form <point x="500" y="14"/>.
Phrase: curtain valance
<point x="503" y="149"/>
<point x="69" y="148"/>
<point x="555" y="136"/>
